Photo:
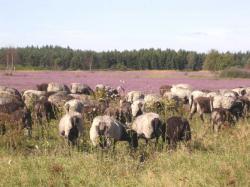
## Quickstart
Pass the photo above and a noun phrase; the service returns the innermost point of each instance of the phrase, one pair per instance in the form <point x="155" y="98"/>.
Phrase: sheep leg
<point x="202" y="117"/>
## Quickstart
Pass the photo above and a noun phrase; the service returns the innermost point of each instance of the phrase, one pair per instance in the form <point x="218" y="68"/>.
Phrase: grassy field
<point x="208" y="160"/>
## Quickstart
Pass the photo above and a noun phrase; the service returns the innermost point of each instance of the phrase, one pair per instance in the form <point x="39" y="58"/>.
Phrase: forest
<point x="59" y="58"/>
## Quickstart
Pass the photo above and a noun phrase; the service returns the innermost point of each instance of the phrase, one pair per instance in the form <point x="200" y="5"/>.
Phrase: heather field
<point x="46" y="159"/>
<point x="148" y="81"/>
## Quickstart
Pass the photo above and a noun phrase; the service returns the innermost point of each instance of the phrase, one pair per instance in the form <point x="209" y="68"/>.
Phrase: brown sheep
<point x="177" y="129"/>
<point x="201" y="105"/>
<point x="165" y="88"/>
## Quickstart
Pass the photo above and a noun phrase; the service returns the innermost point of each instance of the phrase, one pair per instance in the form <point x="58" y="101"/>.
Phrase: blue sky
<point x="99" y="25"/>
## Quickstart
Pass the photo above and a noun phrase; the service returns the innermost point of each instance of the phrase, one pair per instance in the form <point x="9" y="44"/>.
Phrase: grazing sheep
<point x="122" y="114"/>
<point x="218" y="117"/>
<point x="220" y="101"/>
<point x="56" y="87"/>
<point x="42" y="87"/>
<point x="195" y="94"/>
<point x="59" y="98"/>
<point x="109" y="128"/>
<point x="148" y="126"/>
<point x="71" y="126"/>
<point x="30" y="97"/>
<point x="165" y="88"/>
<point x="237" y="109"/>
<point x="10" y="103"/>
<point x="201" y="105"/>
<point x="43" y="109"/>
<point x="177" y="129"/>
<point x="74" y="105"/>
<point x="77" y="88"/>
<point x="181" y="92"/>
<point x="11" y="91"/>
<point x="134" y="95"/>
<point x="240" y="91"/>
<point x="18" y="119"/>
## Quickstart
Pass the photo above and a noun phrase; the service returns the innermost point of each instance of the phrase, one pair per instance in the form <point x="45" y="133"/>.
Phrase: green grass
<point x="208" y="160"/>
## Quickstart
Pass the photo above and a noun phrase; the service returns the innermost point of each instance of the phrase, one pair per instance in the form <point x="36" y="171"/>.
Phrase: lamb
<point x="71" y="127"/>
<point x="149" y="126"/>
<point x="109" y="128"/>
<point x="177" y="129"/>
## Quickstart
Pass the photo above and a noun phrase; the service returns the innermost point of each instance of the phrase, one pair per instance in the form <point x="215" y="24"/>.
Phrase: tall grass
<point x="208" y="160"/>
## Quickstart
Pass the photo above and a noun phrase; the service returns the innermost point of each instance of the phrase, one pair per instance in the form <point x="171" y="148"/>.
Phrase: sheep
<point x="74" y="105"/>
<point x="122" y="113"/>
<point x="99" y="87"/>
<point x="240" y="91"/>
<point x="42" y="87"/>
<point x="43" y="109"/>
<point x="134" y="95"/>
<point x="164" y="88"/>
<point x="137" y="107"/>
<point x="201" y="105"/>
<point x="71" y="127"/>
<point x="218" y="117"/>
<point x="195" y="94"/>
<point x="77" y="88"/>
<point x="20" y="119"/>
<point x="220" y="101"/>
<point x="181" y="92"/>
<point x="30" y="97"/>
<point x="59" y="98"/>
<point x="56" y="87"/>
<point x="177" y="129"/>
<point x="109" y="128"/>
<point x="149" y="126"/>
<point x="11" y="91"/>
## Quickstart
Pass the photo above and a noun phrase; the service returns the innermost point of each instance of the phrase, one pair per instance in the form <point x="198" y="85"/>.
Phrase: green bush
<point x="235" y="73"/>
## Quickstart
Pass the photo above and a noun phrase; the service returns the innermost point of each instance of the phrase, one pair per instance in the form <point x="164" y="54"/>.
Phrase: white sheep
<point x="148" y="126"/>
<point x="134" y="95"/>
<point x="138" y="107"/>
<point x="74" y="105"/>
<point x="71" y="126"/>
<point x="109" y="128"/>
<point x="56" y="87"/>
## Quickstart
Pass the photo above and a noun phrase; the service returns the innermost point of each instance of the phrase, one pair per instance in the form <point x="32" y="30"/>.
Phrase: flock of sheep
<point x="116" y="115"/>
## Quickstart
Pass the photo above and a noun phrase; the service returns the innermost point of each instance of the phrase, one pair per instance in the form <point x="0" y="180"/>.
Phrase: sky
<point x="102" y="25"/>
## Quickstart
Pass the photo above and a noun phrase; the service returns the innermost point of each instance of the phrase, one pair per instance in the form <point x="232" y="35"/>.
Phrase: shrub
<point x="235" y="73"/>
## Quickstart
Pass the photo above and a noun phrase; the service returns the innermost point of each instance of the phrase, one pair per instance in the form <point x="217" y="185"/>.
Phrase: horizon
<point x="118" y="25"/>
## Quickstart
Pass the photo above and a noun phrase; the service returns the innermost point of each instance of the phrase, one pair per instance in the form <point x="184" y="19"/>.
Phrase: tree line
<point x="59" y="58"/>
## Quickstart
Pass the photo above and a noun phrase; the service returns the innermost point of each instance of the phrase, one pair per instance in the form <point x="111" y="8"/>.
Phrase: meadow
<point x="45" y="159"/>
